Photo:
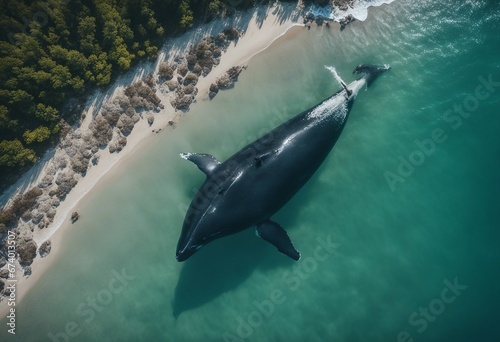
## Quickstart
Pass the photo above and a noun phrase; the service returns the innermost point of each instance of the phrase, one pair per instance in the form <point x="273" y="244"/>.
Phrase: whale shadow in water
<point x="221" y="266"/>
<point x="226" y="263"/>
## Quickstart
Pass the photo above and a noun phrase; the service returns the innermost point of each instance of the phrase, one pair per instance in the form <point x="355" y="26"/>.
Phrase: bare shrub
<point x="26" y="251"/>
<point x="190" y="79"/>
<point x="102" y="130"/>
<point x="166" y="71"/>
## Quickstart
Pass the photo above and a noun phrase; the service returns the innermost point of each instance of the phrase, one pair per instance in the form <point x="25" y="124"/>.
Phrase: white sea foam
<point x="336" y="106"/>
<point x="359" y="11"/>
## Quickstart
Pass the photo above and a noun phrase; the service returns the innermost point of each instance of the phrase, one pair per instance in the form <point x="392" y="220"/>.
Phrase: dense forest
<point x="54" y="50"/>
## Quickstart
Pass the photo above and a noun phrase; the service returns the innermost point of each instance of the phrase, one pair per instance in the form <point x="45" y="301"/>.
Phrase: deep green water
<point x="394" y="250"/>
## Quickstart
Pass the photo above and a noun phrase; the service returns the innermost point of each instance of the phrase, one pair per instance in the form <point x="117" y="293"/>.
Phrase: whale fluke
<point x="371" y="71"/>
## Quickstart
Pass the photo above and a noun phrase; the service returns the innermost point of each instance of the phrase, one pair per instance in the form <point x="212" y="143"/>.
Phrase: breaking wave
<point x="359" y="11"/>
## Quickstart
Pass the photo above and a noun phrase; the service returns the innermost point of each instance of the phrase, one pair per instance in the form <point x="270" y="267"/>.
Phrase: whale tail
<point x="370" y="72"/>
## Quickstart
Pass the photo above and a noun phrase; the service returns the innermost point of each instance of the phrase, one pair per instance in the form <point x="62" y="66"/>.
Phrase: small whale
<point x="247" y="189"/>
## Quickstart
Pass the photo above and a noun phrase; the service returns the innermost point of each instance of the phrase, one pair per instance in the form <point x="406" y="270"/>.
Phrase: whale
<point x="248" y="188"/>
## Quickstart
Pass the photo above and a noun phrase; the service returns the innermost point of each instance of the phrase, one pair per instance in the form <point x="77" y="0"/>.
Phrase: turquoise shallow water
<point x="416" y="258"/>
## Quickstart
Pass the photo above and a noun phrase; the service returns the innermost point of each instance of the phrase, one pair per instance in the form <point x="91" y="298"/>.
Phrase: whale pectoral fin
<point x="273" y="233"/>
<point x="205" y="162"/>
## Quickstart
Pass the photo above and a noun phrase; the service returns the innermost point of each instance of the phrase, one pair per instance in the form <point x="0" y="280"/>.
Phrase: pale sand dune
<point x="259" y="28"/>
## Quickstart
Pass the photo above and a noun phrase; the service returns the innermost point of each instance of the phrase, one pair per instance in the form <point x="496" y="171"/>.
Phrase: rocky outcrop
<point x="346" y="21"/>
<point x="214" y="89"/>
<point x="199" y="61"/>
<point x="343" y="5"/>
<point x="232" y="34"/>
<point x="226" y="81"/>
<point x="4" y="273"/>
<point x="338" y="5"/>
<point x="95" y="159"/>
<point x="45" y="248"/>
<point x="309" y="18"/>
<point x="74" y="217"/>
<point x="151" y="119"/>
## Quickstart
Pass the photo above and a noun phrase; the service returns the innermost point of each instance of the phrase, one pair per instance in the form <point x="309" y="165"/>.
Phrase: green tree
<point x="61" y="77"/>
<point x="39" y="134"/>
<point x="58" y="53"/>
<point x="100" y="69"/>
<point x="6" y="123"/>
<point x="77" y="61"/>
<point x="47" y="64"/>
<point x="41" y="78"/>
<point x="7" y="64"/>
<point x="214" y="7"/>
<point x="61" y="27"/>
<point x="14" y="154"/>
<point x="86" y="34"/>
<point x="120" y="55"/>
<point x="18" y="99"/>
<point x="186" y="13"/>
<point x="26" y="78"/>
<point x="78" y="84"/>
<point x="30" y="50"/>
<point x="46" y="113"/>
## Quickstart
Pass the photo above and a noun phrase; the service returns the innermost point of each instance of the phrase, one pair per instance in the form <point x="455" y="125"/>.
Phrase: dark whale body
<point x="252" y="185"/>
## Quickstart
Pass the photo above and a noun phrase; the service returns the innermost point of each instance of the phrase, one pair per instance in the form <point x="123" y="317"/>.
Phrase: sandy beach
<point x="258" y="28"/>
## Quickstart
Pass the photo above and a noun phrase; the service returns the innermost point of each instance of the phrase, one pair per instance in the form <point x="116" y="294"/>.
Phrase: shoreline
<point x="257" y="37"/>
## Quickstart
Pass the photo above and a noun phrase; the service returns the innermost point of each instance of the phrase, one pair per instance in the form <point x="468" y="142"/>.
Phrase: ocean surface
<point x="398" y="229"/>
